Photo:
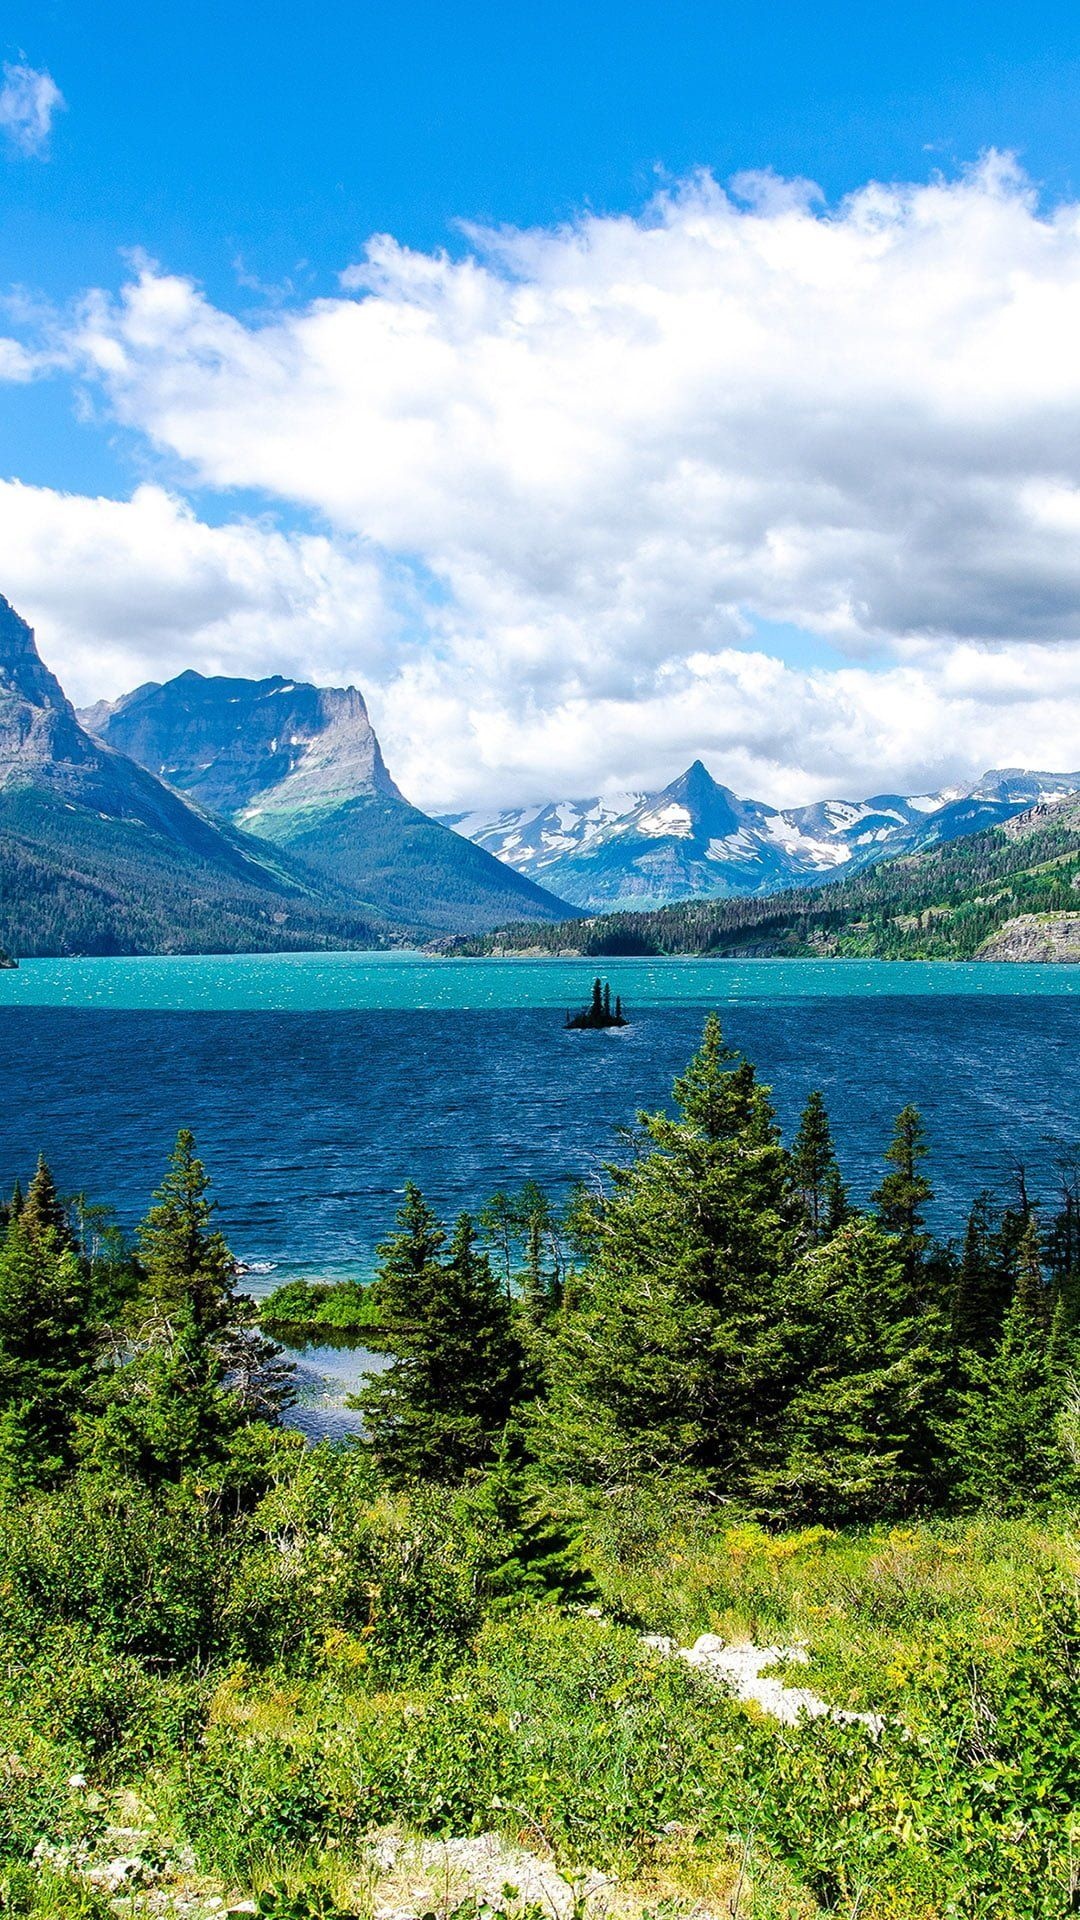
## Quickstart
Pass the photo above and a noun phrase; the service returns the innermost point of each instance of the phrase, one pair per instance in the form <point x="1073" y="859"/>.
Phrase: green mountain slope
<point x="300" y="766"/>
<point x="1012" y="891"/>
<point x="99" y="856"/>
<point x="72" y="881"/>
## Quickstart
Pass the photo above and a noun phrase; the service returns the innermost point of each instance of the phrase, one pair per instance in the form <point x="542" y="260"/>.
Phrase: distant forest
<point x="944" y="903"/>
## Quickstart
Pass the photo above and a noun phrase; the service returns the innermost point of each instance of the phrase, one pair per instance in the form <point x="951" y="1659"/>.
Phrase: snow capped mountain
<point x="697" y="838"/>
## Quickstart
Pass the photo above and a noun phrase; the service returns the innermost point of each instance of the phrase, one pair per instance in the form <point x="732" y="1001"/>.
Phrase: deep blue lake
<point x="316" y="1085"/>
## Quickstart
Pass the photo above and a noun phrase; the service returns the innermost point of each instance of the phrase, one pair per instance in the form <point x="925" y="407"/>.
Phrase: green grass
<point x="399" y="1698"/>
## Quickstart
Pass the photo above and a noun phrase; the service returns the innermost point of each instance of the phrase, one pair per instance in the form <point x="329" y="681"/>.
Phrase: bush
<point x="143" y="1573"/>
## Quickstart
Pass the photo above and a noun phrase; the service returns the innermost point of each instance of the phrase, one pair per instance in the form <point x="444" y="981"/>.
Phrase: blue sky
<point x="252" y="150"/>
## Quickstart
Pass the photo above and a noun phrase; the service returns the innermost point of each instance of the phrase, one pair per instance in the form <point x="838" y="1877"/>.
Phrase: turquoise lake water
<point x="414" y="981"/>
<point x="318" y="1084"/>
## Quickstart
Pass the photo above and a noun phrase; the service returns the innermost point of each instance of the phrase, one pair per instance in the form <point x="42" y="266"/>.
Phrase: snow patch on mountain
<point x="698" y="838"/>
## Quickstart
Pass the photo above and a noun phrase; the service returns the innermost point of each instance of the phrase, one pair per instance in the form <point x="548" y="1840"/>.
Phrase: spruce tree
<point x="184" y="1258"/>
<point x="528" y="1553"/>
<point x="1006" y="1441"/>
<point x="47" y="1337"/>
<point x="905" y="1191"/>
<point x="441" y="1407"/>
<point x="857" y="1437"/>
<point x="195" y="1371"/>
<point x="671" y="1351"/>
<point x="43" y="1212"/>
<point x="984" y="1282"/>
<point x="814" y="1168"/>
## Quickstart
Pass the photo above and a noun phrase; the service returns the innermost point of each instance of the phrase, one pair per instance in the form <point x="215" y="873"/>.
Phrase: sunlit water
<point x="318" y="1084"/>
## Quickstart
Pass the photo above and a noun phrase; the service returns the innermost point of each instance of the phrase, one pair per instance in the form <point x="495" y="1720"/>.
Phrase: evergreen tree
<point x="672" y="1355"/>
<point x="500" y="1224"/>
<point x="838" y="1210"/>
<point x="185" y="1260"/>
<point x="195" y="1371"/>
<point x="441" y="1407"/>
<point x="905" y="1191"/>
<point x="1006" y="1440"/>
<point x="529" y="1553"/>
<point x="47" y="1339"/>
<point x="814" y="1168"/>
<point x="984" y="1282"/>
<point x="597" y="1006"/>
<point x="43" y="1212"/>
<point x="857" y="1436"/>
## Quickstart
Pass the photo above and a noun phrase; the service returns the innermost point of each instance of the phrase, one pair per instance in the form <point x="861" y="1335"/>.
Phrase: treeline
<point x="717" y="1313"/>
<point x="722" y="1315"/>
<point x="944" y="903"/>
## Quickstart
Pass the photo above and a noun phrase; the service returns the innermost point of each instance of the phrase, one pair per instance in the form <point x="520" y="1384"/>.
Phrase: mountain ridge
<point x="300" y="767"/>
<point x="697" y="839"/>
<point x="97" y="855"/>
<point x="1010" y="891"/>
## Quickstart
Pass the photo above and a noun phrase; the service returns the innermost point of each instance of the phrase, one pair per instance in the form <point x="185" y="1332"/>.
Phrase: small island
<point x="599" y="1012"/>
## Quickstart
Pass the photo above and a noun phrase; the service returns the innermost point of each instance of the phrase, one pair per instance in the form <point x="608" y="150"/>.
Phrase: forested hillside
<point x="70" y="883"/>
<point x="945" y="903"/>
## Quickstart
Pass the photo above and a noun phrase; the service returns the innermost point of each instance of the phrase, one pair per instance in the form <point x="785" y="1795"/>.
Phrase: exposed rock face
<point x="248" y="747"/>
<point x="1033" y="936"/>
<point x="99" y="856"/>
<point x="43" y="746"/>
<point x="38" y="728"/>
<point x="301" y="766"/>
<point x="697" y="839"/>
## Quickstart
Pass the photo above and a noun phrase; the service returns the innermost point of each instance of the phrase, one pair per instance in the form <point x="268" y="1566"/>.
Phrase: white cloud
<point x="126" y="591"/>
<point x="28" y="101"/>
<point x="609" y="447"/>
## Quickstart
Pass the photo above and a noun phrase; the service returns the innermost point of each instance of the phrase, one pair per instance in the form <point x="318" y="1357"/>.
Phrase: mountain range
<point x="210" y="813"/>
<point x="1008" y="892"/>
<point x="696" y="839"/>
<point x="100" y="854"/>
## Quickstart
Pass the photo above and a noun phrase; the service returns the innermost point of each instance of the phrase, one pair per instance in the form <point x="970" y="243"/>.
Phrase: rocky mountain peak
<point x="38" y="727"/>
<point x="245" y="748"/>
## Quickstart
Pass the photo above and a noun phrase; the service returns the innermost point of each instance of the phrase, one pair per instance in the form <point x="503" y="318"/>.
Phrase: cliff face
<point x="1036" y="936"/>
<point x="245" y="748"/>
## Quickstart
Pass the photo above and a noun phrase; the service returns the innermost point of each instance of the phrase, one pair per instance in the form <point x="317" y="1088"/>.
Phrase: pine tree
<point x="43" y="1212"/>
<point x="858" y="1435"/>
<point x="1006" y="1440"/>
<point x="441" y="1407"/>
<point x="814" y="1168"/>
<point x="672" y="1355"/>
<point x="905" y="1191"/>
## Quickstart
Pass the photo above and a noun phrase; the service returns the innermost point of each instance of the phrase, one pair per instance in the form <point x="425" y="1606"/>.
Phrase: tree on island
<point x="599" y="1013"/>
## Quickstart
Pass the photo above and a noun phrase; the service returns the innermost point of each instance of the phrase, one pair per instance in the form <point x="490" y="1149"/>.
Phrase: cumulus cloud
<point x="126" y="591"/>
<point x="29" y="100"/>
<point x="602" y="453"/>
